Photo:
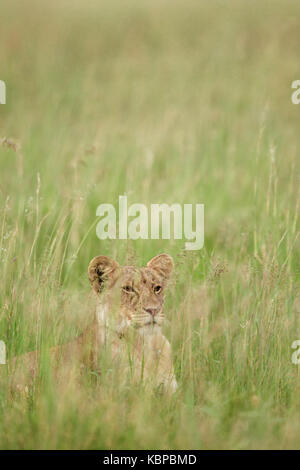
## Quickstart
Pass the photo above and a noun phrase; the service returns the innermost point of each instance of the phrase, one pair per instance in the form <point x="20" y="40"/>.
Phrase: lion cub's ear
<point x="163" y="264"/>
<point x="100" y="270"/>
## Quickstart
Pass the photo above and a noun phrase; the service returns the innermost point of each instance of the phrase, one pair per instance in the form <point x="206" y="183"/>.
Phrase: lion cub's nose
<point x="152" y="311"/>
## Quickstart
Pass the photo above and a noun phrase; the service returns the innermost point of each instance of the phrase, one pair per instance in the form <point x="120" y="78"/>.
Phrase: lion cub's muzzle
<point x="148" y="316"/>
<point x="152" y="311"/>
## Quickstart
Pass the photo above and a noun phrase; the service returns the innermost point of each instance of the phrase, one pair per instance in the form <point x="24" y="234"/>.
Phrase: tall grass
<point x="181" y="101"/>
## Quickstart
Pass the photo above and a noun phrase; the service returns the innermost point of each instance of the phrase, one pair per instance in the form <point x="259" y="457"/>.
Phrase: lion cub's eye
<point x="128" y="289"/>
<point x="157" y="289"/>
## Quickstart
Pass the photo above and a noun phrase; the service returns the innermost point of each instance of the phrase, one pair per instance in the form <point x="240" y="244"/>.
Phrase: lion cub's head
<point x="130" y="296"/>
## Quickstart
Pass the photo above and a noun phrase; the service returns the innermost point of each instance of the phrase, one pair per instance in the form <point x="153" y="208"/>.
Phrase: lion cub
<point x="127" y="326"/>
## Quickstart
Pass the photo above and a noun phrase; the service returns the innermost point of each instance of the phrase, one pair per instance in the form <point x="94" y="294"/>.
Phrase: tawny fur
<point x="127" y="324"/>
